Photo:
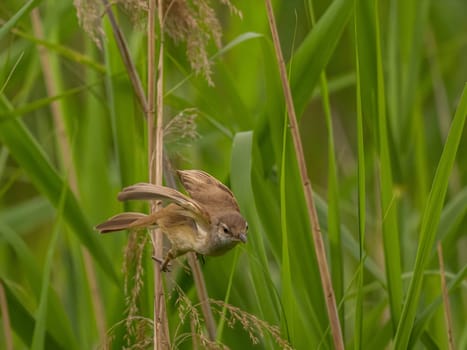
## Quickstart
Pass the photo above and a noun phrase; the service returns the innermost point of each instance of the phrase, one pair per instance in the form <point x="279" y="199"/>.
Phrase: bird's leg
<point x="201" y="258"/>
<point x="160" y="261"/>
<point x="165" y="264"/>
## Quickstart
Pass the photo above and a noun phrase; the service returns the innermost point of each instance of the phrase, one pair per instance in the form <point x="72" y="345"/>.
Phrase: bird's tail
<point x="126" y="221"/>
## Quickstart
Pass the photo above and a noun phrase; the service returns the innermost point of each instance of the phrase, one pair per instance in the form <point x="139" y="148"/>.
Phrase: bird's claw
<point x="201" y="258"/>
<point x="165" y="265"/>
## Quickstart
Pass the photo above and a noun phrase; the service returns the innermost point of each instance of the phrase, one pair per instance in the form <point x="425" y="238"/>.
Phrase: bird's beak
<point x="242" y="237"/>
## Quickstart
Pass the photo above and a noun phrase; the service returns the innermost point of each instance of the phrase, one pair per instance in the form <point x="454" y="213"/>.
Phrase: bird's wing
<point x="145" y="191"/>
<point x="207" y="190"/>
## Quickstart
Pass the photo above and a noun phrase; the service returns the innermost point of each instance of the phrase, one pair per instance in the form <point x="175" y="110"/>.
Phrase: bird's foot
<point x="201" y="258"/>
<point x="165" y="265"/>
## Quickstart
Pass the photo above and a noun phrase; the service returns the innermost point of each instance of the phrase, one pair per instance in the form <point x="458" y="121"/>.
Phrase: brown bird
<point x="208" y="223"/>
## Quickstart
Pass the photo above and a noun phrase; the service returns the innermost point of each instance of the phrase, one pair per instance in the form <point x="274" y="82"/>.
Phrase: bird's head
<point x="230" y="229"/>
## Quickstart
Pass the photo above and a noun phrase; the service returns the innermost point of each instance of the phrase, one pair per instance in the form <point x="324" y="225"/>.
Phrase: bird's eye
<point x="246" y="227"/>
<point x="226" y="229"/>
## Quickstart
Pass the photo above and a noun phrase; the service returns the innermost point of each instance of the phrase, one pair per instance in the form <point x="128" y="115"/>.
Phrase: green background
<point x="376" y="86"/>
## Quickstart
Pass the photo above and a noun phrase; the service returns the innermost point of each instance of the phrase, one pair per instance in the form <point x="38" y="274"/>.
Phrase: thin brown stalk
<point x="6" y="319"/>
<point x="195" y="342"/>
<point x="155" y="154"/>
<point x="125" y="54"/>
<point x="161" y="338"/>
<point x="316" y="230"/>
<point x="447" y="307"/>
<point x="55" y="108"/>
<point x="203" y="296"/>
<point x="67" y="165"/>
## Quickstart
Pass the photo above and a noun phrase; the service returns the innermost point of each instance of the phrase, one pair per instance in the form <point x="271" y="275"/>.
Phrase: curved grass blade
<point x="5" y="115"/>
<point x="22" y="321"/>
<point x="27" y="7"/>
<point x="220" y="326"/>
<point x="358" y="338"/>
<point x="451" y="218"/>
<point x="64" y="51"/>
<point x="32" y="159"/>
<point x="41" y="314"/>
<point x="333" y="219"/>
<point x="392" y="254"/>
<point x="314" y="52"/>
<point x="38" y="211"/>
<point x="57" y="320"/>
<point x="241" y="168"/>
<point x="422" y="319"/>
<point x="429" y="223"/>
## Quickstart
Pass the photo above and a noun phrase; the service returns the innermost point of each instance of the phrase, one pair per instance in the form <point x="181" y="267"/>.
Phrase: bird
<point x="207" y="222"/>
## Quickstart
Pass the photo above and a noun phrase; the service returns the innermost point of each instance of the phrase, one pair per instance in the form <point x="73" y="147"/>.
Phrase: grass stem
<point x="313" y="216"/>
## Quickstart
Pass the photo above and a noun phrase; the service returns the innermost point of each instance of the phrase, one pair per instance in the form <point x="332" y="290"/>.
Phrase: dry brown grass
<point x="133" y="272"/>
<point x="192" y="23"/>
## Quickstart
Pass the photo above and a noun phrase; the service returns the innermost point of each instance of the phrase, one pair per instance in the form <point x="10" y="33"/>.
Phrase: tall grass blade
<point x="334" y="233"/>
<point x="429" y="223"/>
<point x="28" y="153"/>
<point x="358" y="337"/>
<point x="58" y="323"/>
<point x="389" y="218"/>
<point x="241" y="173"/>
<point x="23" y="11"/>
<point x="313" y="54"/>
<point x="22" y="320"/>
<point x="41" y="314"/>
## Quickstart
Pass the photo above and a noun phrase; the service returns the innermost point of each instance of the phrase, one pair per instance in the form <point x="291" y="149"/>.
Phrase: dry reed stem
<point x="155" y="154"/>
<point x="64" y="150"/>
<point x="203" y="296"/>
<point x="8" y="334"/>
<point x="447" y="307"/>
<point x="66" y="157"/>
<point x="126" y="57"/>
<point x="313" y="216"/>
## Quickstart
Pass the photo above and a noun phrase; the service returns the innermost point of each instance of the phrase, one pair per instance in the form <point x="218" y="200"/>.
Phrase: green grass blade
<point x="22" y="321"/>
<point x="23" y="11"/>
<point x="392" y="253"/>
<point x="424" y="317"/>
<point x="41" y="314"/>
<point x="38" y="211"/>
<point x="372" y="96"/>
<point x="241" y="166"/>
<point x="451" y="220"/>
<point x="358" y="338"/>
<point x="334" y="233"/>
<point x="42" y="102"/>
<point x="310" y="322"/>
<point x="314" y="52"/>
<point x="58" y="322"/>
<point x="288" y="299"/>
<point x="64" y="51"/>
<point x="334" y="222"/>
<point x="30" y="156"/>
<point x="430" y="221"/>
<point x="127" y="120"/>
<point x="221" y="323"/>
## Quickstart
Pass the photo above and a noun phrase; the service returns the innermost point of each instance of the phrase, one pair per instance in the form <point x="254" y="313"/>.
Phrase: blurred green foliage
<point x="412" y="69"/>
